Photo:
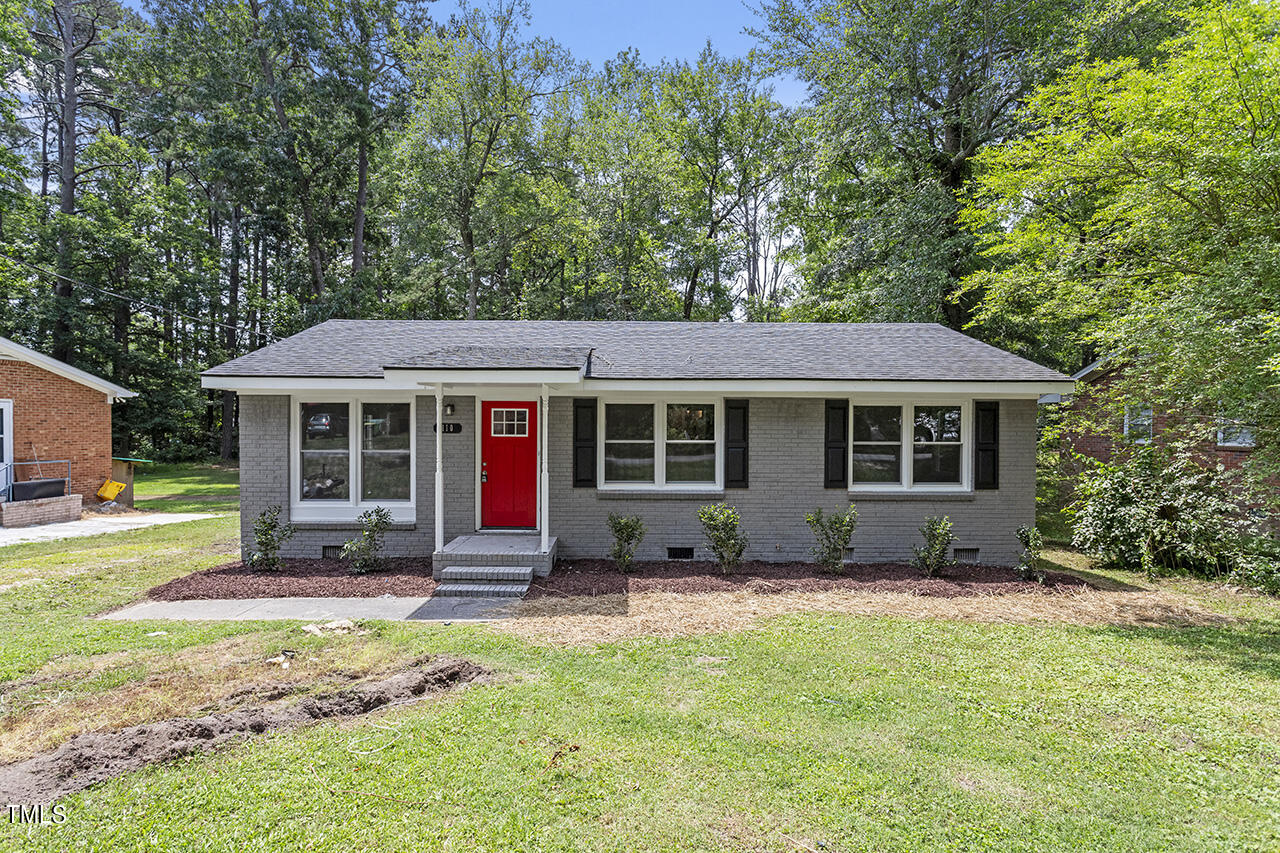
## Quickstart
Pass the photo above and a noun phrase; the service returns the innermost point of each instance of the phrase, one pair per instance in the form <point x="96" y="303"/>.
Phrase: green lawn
<point x="855" y="733"/>
<point x="186" y="487"/>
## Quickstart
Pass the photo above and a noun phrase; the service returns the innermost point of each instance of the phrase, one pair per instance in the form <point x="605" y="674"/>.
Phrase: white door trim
<point x="6" y="454"/>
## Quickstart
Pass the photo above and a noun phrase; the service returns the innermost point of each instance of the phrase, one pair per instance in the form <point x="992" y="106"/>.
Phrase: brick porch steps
<point x="494" y="550"/>
<point x="485" y="581"/>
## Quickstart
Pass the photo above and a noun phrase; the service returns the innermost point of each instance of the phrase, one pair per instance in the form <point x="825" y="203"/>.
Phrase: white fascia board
<point x="821" y="387"/>
<point x="17" y="352"/>
<point x="416" y="381"/>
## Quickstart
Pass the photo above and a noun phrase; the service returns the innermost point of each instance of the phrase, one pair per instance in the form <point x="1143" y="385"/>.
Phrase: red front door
<point x="508" y="464"/>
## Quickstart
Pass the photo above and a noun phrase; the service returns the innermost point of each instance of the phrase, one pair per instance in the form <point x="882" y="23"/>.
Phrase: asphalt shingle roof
<point x="642" y="350"/>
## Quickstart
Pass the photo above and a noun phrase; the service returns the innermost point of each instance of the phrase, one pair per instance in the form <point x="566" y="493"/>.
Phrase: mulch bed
<point x="601" y="577"/>
<point x="300" y="579"/>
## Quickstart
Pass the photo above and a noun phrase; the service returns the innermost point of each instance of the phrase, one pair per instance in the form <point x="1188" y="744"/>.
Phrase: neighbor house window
<point x="904" y="446"/>
<point x="1235" y="434"/>
<point x="629" y="443"/>
<point x="355" y="452"/>
<point x="877" y="444"/>
<point x="385" y="463"/>
<point x="660" y="444"/>
<point x="1139" y="423"/>
<point x="936" y="448"/>
<point x="326" y="451"/>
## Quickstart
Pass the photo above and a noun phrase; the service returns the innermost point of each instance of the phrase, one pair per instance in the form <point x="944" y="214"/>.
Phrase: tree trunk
<point x="362" y="197"/>
<point x="64" y="11"/>
<point x="232" y="323"/>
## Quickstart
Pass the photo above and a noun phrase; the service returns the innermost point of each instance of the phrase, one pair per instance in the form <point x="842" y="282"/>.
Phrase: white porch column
<point x="439" y="513"/>
<point x="545" y="481"/>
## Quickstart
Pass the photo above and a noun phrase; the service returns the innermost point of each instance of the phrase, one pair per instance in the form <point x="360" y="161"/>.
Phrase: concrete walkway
<point x="316" y="609"/>
<point x="94" y="525"/>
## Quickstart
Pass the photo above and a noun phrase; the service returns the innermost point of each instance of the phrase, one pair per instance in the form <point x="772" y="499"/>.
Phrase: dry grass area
<point x="77" y="694"/>
<point x="582" y="620"/>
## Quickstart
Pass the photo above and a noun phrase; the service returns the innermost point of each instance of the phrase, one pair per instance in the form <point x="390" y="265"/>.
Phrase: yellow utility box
<point x="110" y="489"/>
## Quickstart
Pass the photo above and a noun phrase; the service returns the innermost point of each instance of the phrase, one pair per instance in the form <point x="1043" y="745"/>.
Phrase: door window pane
<point x="326" y="451"/>
<point x="513" y="422"/>
<point x="386" y="467"/>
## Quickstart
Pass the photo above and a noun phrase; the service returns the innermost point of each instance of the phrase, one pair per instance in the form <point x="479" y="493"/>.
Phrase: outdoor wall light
<point x="448" y="408"/>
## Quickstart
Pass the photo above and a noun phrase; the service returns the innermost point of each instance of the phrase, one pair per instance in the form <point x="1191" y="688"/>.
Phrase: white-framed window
<point x="1139" y="423"/>
<point x="351" y="454"/>
<point x="509" y="422"/>
<point x="665" y="444"/>
<point x="924" y="446"/>
<point x="1235" y="434"/>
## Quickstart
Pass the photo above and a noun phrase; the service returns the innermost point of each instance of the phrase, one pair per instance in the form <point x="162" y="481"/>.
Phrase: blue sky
<point x="596" y="30"/>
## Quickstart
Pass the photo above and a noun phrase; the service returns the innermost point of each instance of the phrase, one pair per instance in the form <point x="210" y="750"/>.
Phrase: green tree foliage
<point x="1141" y="219"/>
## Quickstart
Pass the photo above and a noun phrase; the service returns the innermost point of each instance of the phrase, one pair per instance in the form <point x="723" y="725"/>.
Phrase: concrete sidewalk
<point x="95" y="525"/>
<point x="316" y="609"/>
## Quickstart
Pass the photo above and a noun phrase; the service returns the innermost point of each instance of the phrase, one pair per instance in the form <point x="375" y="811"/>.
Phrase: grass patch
<point x="853" y="732"/>
<point x="186" y="487"/>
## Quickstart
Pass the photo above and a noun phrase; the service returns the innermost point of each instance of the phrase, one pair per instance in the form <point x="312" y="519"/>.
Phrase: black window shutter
<point x="735" y="444"/>
<point x="986" y="445"/>
<point x="584" y="442"/>
<point x="835" y="473"/>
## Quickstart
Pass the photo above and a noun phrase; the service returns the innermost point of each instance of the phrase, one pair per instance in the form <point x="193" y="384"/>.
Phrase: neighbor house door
<point x="6" y="447"/>
<point x="508" y="464"/>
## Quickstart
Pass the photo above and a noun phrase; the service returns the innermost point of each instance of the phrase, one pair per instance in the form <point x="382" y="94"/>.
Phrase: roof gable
<point x="17" y="352"/>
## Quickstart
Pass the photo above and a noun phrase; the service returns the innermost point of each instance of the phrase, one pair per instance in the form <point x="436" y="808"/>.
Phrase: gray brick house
<point x="548" y="426"/>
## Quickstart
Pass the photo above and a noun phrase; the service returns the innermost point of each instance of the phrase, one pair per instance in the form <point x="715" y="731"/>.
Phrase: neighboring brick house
<point x="55" y="424"/>
<point x="495" y="443"/>
<point x="1140" y="422"/>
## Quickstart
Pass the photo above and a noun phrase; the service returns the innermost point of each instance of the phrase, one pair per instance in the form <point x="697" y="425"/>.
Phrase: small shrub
<point x="833" y="533"/>
<point x="723" y="526"/>
<point x="1257" y="572"/>
<point x="268" y="535"/>
<point x="1029" y="562"/>
<point x="932" y="557"/>
<point x="627" y="532"/>
<point x="365" y="554"/>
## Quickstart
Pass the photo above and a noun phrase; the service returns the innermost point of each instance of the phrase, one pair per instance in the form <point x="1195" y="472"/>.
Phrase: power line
<point x="131" y="299"/>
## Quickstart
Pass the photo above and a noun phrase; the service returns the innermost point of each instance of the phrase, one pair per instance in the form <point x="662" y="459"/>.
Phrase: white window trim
<point x="659" y="404"/>
<point x="907" y="408"/>
<point x="337" y="511"/>
<point x="1128" y="414"/>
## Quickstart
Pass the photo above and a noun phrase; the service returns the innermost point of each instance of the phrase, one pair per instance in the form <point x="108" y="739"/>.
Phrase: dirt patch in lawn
<point x="97" y="756"/>
<point x="300" y="579"/>
<point x="584" y="620"/>
<point x="600" y="577"/>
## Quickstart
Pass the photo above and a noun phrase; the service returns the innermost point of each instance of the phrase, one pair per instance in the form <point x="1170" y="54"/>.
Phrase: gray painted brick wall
<point x="786" y="481"/>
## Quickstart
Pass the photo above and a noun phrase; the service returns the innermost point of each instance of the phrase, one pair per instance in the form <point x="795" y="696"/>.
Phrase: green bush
<point x="932" y="557"/>
<point x="1162" y="511"/>
<point x="1257" y="572"/>
<point x="725" y="538"/>
<point x="1029" y="562"/>
<point x="833" y="533"/>
<point x="268" y="535"/>
<point x="365" y="554"/>
<point x="627" y="532"/>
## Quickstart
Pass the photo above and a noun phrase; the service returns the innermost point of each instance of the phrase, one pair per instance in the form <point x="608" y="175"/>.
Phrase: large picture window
<point x="902" y="446"/>
<point x="660" y="444"/>
<point x="354" y="453"/>
<point x="385" y="463"/>
<point x="326" y="451"/>
<point x="629" y="443"/>
<point x="936" y="448"/>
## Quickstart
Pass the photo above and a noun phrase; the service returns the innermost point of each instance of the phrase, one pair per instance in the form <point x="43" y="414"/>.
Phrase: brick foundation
<point x="41" y="511"/>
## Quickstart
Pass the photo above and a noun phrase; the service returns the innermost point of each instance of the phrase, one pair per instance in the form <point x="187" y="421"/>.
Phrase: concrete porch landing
<point x="495" y="550"/>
